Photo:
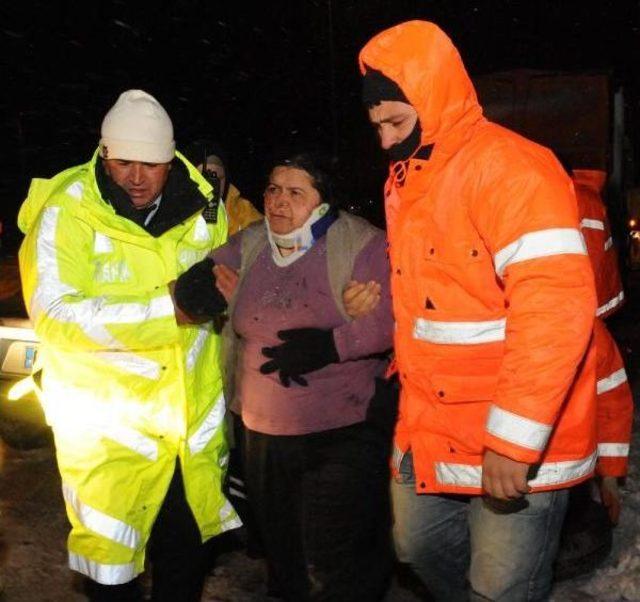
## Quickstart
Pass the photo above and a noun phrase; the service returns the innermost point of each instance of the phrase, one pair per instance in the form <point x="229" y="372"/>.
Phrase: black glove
<point x="196" y="293"/>
<point x="304" y="350"/>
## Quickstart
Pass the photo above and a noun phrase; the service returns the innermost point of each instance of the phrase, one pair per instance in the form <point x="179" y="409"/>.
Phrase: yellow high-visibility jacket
<point x="125" y="389"/>
<point x="240" y="211"/>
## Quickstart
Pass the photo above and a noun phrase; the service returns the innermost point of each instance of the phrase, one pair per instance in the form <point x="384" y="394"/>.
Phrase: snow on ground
<point x="33" y="531"/>
<point x="619" y="577"/>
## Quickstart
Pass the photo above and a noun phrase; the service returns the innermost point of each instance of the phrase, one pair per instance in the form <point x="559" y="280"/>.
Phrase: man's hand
<point x="502" y="477"/>
<point x="226" y="280"/>
<point x="610" y="497"/>
<point x="360" y="299"/>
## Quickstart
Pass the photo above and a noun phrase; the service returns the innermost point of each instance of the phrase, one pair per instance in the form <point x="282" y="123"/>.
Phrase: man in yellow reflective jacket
<point x="131" y="388"/>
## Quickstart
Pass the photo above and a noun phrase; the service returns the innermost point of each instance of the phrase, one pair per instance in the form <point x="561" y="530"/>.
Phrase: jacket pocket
<point x="467" y="387"/>
<point x="460" y="252"/>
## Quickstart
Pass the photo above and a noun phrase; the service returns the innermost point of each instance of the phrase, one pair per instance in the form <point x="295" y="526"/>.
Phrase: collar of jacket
<point x="181" y="198"/>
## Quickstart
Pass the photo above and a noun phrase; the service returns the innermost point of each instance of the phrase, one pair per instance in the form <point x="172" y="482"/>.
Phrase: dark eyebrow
<point x="396" y="117"/>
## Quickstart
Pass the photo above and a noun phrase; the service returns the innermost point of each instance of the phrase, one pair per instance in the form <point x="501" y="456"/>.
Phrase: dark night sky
<point x="254" y="78"/>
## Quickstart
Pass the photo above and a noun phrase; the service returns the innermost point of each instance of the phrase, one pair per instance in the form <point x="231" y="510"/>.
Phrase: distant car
<point x="22" y="422"/>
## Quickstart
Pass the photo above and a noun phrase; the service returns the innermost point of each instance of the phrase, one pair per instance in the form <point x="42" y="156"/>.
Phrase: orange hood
<point x="422" y="60"/>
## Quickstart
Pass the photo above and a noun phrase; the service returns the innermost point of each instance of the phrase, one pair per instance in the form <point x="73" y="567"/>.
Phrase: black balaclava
<point x="377" y="87"/>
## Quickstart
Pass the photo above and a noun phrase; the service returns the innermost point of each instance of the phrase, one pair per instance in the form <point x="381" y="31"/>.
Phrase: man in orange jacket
<point x="494" y="303"/>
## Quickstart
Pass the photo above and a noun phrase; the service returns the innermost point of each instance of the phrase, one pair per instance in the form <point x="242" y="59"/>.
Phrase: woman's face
<point x="289" y="199"/>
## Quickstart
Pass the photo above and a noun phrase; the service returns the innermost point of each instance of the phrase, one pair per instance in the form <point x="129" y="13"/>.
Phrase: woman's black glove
<point x="196" y="293"/>
<point x="304" y="350"/>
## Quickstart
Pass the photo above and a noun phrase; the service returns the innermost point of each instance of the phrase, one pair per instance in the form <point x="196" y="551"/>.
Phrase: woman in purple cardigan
<point x="309" y="384"/>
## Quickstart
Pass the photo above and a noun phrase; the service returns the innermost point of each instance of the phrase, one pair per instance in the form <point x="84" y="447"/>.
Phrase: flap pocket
<point x="456" y="252"/>
<point x="463" y="388"/>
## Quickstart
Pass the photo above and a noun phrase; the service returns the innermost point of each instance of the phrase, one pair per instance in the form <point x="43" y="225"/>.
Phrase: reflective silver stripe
<point x="613" y="450"/>
<point x="543" y="243"/>
<point x="236" y="493"/>
<point x="396" y="458"/>
<point x="619" y="298"/>
<point x="594" y="224"/>
<point x="50" y="290"/>
<point x="517" y="429"/>
<point x="612" y="381"/>
<point x="132" y="363"/>
<point x="102" y="243"/>
<point x="131" y="439"/>
<point x="198" y="441"/>
<point x="557" y="473"/>
<point x="200" y="230"/>
<point x="460" y="475"/>
<point x="549" y="473"/>
<point x="131" y="313"/>
<point x="228" y="517"/>
<point x="76" y="190"/>
<point x="459" y="333"/>
<point x="196" y="348"/>
<point x="101" y="523"/>
<point x="91" y="315"/>
<point x="107" y="574"/>
<point x="608" y="244"/>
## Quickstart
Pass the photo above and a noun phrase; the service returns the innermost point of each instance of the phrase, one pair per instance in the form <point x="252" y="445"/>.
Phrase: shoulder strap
<point x="345" y="239"/>
<point x="254" y="239"/>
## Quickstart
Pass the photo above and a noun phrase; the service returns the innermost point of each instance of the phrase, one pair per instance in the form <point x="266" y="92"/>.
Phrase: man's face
<point x="143" y="182"/>
<point x="394" y="121"/>
<point x="289" y="199"/>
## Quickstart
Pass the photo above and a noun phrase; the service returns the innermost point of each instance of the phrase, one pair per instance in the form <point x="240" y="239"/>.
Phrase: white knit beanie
<point x="137" y="128"/>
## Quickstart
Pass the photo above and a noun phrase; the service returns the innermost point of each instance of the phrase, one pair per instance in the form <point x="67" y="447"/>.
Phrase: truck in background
<point x="581" y="117"/>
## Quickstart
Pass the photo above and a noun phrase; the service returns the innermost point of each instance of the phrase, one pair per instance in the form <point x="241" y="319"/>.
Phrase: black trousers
<point x="322" y="505"/>
<point x="179" y="559"/>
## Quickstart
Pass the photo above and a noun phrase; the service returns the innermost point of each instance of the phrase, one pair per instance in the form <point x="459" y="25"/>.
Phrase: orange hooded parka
<point x="597" y="235"/>
<point x="493" y="292"/>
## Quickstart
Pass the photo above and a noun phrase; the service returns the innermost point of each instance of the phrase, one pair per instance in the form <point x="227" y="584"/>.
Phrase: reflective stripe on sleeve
<point x="594" y="224"/>
<point x="459" y="333"/>
<point x="196" y="348"/>
<point x="205" y="432"/>
<point x="613" y="450"/>
<point x="517" y="429"/>
<point x="76" y="190"/>
<point x="201" y="231"/>
<point x="549" y="473"/>
<point x="543" y="243"/>
<point x="132" y="313"/>
<point x="608" y="243"/>
<point x="91" y="315"/>
<point x="100" y="523"/>
<point x="609" y="305"/>
<point x="612" y="381"/>
<point x="106" y="574"/>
